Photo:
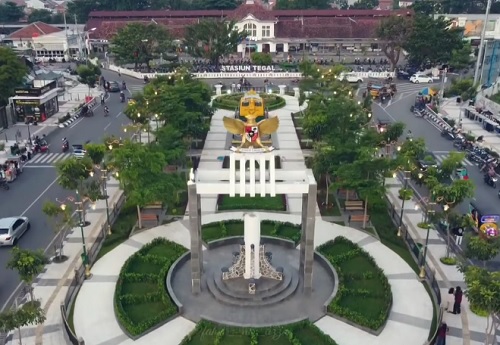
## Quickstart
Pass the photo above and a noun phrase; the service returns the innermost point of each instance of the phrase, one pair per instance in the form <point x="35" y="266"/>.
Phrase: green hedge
<point x="141" y="299"/>
<point x="218" y="230"/>
<point x="364" y="296"/>
<point x="232" y="101"/>
<point x="300" y="333"/>
<point x="268" y="203"/>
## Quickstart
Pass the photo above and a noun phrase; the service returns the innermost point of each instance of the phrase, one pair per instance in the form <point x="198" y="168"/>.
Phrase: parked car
<point x="351" y="77"/>
<point x="11" y="230"/>
<point x="403" y="75"/>
<point x="420" y="78"/>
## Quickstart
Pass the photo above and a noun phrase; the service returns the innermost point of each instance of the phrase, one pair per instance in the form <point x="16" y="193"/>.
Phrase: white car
<point x="351" y="77"/>
<point x="11" y="230"/>
<point x="420" y="78"/>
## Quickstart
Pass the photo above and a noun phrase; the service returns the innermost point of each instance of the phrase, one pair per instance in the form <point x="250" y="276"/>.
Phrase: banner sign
<point x="493" y="218"/>
<point x="246" y="68"/>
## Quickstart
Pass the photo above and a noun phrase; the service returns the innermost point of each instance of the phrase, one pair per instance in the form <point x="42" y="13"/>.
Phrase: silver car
<point x="11" y="230"/>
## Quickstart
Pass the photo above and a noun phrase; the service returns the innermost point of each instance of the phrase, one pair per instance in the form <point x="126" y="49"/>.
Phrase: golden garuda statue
<point x="251" y="130"/>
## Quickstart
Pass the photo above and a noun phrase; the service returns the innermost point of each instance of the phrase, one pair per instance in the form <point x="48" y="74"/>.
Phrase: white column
<point x="251" y="237"/>
<point x="262" y="180"/>
<point x="285" y="47"/>
<point x="282" y="89"/>
<point x="218" y="90"/>
<point x="252" y="176"/>
<point x="232" y="175"/>
<point x="272" y="175"/>
<point x="242" y="175"/>
<point x="296" y="90"/>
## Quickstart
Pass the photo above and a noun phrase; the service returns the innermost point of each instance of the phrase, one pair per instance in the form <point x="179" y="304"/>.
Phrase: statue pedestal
<point x="282" y="89"/>
<point x="296" y="90"/>
<point x="218" y="90"/>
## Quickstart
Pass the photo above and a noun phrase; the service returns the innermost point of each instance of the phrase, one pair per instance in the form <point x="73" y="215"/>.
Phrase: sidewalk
<point x="52" y="285"/>
<point x="466" y="328"/>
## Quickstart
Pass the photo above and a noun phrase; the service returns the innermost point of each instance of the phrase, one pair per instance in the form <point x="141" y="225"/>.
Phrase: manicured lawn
<point x="365" y="295"/>
<point x="218" y="230"/>
<point x="120" y="230"/>
<point x="141" y="300"/>
<point x="267" y="203"/>
<point x="331" y="210"/>
<point x="301" y="333"/>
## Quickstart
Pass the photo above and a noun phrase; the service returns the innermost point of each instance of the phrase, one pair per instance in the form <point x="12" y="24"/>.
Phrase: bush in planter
<point x="65" y="118"/>
<point x="450" y="261"/>
<point x="140" y="289"/>
<point x="424" y="225"/>
<point x="405" y="194"/>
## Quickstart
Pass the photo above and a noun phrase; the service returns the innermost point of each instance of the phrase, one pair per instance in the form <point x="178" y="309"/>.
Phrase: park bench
<point x="155" y="205"/>
<point x="149" y="217"/>
<point x="359" y="218"/>
<point x="347" y="194"/>
<point x="354" y="205"/>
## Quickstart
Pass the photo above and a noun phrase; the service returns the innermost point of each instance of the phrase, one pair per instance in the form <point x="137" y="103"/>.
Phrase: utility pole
<point x="479" y="65"/>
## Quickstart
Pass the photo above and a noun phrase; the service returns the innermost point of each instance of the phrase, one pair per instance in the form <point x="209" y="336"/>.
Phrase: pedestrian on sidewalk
<point x="441" y="334"/>
<point x="458" y="300"/>
<point x="102" y="98"/>
<point x="450" y="300"/>
<point x="459" y="236"/>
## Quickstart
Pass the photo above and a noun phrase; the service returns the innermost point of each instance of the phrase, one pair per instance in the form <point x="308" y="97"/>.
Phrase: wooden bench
<point x="149" y="217"/>
<point x="354" y="205"/>
<point x="347" y="194"/>
<point x="155" y="205"/>
<point x="359" y="218"/>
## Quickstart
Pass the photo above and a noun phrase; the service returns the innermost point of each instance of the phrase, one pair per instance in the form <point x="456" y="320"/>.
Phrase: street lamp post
<point x="104" y="178"/>
<point x="85" y="258"/>
<point x="156" y="119"/>
<point x="29" y="134"/>
<point x="429" y="209"/>
<point x="406" y="177"/>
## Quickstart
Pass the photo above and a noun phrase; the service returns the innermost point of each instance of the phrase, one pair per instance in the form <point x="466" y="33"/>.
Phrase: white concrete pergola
<point x="257" y="181"/>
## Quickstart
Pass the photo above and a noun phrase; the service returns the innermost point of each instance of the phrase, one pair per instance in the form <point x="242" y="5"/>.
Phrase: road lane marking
<point x="107" y="126"/>
<point x="38" y="166"/>
<point x="119" y="114"/>
<point x="39" y="196"/>
<point x="76" y="123"/>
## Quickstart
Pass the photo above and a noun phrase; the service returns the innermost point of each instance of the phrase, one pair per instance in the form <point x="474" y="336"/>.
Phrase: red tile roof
<point x="290" y="23"/>
<point x="33" y="30"/>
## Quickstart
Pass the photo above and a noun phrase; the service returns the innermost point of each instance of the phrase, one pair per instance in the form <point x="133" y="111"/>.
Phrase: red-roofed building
<point x="23" y="38"/>
<point x="269" y="30"/>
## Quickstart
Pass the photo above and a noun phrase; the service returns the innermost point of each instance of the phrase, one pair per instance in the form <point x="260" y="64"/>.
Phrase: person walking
<point x="458" y="300"/>
<point x="459" y="236"/>
<point x="441" y="334"/>
<point x="450" y="300"/>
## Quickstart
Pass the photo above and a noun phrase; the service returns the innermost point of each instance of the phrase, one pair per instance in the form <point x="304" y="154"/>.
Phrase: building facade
<point x="273" y="31"/>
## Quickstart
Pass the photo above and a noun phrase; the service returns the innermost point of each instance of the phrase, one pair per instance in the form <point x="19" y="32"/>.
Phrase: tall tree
<point x="28" y="264"/>
<point x="60" y="221"/>
<point x="483" y="289"/>
<point x="461" y="58"/>
<point x="140" y="44"/>
<point x="40" y="15"/>
<point x="12" y="73"/>
<point x="10" y="12"/>
<point x="482" y="249"/>
<point x="428" y="34"/>
<point x="88" y="75"/>
<point x="73" y="172"/>
<point x="364" y="5"/>
<point x="212" y="39"/>
<point x="30" y="313"/>
<point x="393" y="32"/>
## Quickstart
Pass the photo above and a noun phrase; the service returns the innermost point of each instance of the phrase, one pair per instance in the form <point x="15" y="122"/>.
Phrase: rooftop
<point x="35" y="29"/>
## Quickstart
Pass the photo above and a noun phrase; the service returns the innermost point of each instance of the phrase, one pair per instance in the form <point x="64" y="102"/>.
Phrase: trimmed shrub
<point x="232" y="101"/>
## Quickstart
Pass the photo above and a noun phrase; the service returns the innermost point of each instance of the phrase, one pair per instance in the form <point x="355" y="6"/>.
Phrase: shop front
<point x="36" y="103"/>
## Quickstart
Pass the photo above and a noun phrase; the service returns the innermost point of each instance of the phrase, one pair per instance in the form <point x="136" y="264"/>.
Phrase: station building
<point x="273" y="31"/>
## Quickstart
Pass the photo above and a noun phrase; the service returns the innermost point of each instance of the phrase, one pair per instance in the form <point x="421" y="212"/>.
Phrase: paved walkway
<point x="52" y="285"/>
<point x="466" y="328"/>
<point x="96" y="296"/>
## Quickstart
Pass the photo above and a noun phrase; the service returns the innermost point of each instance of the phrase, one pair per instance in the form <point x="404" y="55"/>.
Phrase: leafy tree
<point x="96" y="152"/>
<point x="28" y="264"/>
<point x="262" y="58"/>
<point x="483" y="289"/>
<point x="40" y="15"/>
<point x="12" y="73"/>
<point x="461" y="58"/>
<point x="302" y="4"/>
<point x="364" y="5"/>
<point x="88" y="75"/>
<point x="212" y="39"/>
<point x="31" y="313"/>
<point x="482" y="249"/>
<point x="394" y="131"/>
<point x="172" y="143"/>
<point x="429" y="33"/>
<point x="142" y="177"/>
<point x="461" y="87"/>
<point x="393" y="32"/>
<point x="451" y="163"/>
<point x="60" y="221"/>
<point x="10" y="12"/>
<point x="427" y="7"/>
<point x="214" y="4"/>
<point x="72" y="172"/>
<point x="140" y="44"/>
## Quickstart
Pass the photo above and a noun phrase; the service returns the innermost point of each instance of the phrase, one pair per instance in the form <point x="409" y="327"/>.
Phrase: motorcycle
<point x="65" y="146"/>
<point x="4" y="185"/>
<point x="122" y="98"/>
<point x="490" y="181"/>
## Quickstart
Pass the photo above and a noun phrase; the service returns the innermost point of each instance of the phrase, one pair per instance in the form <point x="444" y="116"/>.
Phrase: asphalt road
<point x="485" y="198"/>
<point x="39" y="184"/>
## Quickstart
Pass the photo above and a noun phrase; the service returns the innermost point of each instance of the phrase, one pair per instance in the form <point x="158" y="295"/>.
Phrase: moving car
<point x="420" y="78"/>
<point x="351" y="77"/>
<point x="78" y="151"/>
<point x="11" y="230"/>
<point x="114" y="86"/>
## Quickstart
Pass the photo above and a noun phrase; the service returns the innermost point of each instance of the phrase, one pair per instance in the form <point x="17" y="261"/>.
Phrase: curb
<point x="92" y="104"/>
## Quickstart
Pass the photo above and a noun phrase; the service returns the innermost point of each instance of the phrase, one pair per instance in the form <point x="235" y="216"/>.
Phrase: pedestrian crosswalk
<point x="135" y="88"/>
<point x="44" y="159"/>
<point x="441" y="156"/>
